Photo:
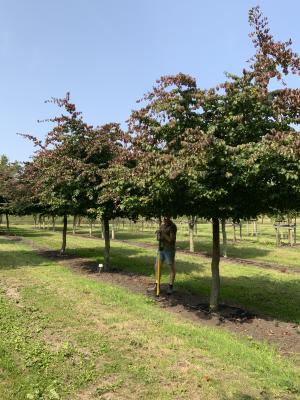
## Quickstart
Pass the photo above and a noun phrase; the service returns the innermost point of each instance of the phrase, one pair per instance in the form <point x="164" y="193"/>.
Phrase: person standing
<point x="166" y="236"/>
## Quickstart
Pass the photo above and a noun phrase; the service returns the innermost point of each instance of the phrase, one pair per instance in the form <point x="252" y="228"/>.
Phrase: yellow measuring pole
<point x="158" y="275"/>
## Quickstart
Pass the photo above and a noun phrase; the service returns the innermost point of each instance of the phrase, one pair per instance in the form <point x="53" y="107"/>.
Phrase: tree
<point x="68" y="167"/>
<point x="246" y="161"/>
<point x="226" y="152"/>
<point x="8" y="172"/>
<point x="145" y="181"/>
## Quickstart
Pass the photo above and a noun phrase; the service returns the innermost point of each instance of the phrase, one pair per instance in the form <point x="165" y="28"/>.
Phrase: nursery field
<point x="260" y="247"/>
<point x="200" y="173"/>
<point x="72" y="333"/>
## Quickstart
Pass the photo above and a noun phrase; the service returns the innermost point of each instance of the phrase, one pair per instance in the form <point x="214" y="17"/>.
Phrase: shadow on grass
<point x="27" y="232"/>
<point x="136" y="236"/>
<point x="241" y="396"/>
<point x="232" y="251"/>
<point x="259" y="294"/>
<point x="20" y="259"/>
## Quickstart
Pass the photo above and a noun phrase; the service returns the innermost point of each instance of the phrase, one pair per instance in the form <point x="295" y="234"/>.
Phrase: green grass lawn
<point x="68" y="336"/>
<point x="260" y="248"/>
<point x="262" y="291"/>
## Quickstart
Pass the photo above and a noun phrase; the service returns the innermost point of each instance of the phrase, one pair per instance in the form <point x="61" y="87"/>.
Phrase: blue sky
<point x="107" y="53"/>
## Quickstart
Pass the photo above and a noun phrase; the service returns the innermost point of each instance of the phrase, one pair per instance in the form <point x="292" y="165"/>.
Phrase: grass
<point x="261" y="247"/>
<point x="67" y="336"/>
<point x="262" y="291"/>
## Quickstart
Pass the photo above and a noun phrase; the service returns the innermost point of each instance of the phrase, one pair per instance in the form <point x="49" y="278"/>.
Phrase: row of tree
<point x="227" y="152"/>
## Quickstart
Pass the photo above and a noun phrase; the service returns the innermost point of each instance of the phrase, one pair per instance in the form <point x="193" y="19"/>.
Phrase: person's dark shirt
<point x="167" y="236"/>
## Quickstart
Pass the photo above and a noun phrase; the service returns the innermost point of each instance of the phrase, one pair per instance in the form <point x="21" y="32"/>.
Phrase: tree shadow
<point x="259" y="294"/>
<point x="20" y="259"/>
<point x="27" y="232"/>
<point x="135" y="236"/>
<point x="232" y="251"/>
<point x="244" y="396"/>
<point x="247" y="252"/>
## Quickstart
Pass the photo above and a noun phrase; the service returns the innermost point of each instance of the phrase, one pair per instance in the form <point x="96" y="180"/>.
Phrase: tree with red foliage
<point x="67" y="168"/>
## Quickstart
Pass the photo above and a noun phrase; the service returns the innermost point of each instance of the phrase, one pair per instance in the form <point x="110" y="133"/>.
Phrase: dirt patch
<point x="13" y="293"/>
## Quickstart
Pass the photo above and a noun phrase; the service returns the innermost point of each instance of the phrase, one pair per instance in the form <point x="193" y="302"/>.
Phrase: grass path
<point x="66" y="336"/>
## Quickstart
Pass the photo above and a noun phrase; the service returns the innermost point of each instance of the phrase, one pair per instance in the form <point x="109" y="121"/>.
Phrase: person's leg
<point x="172" y="273"/>
<point x="172" y="269"/>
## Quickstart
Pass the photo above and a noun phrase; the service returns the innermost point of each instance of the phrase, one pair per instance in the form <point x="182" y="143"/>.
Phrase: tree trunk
<point x="64" y="235"/>
<point x="234" y="233"/>
<point x="191" y="234"/>
<point x="224" y="235"/>
<point x="277" y="236"/>
<point x="34" y="219"/>
<point x="254" y="228"/>
<point x="159" y="222"/>
<point x="102" y="229"/>
<point x="241" y="233"/>
<point x="112" y="231"/>
<point x="215" y="284"/>
<point x="53" y="223"/>
<point x="74" y="224"/>
<point x="7" y="221"/>
<point x="289" y="232"/>
<point x="43" y="222"/>
<point x="105" y="229"/>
